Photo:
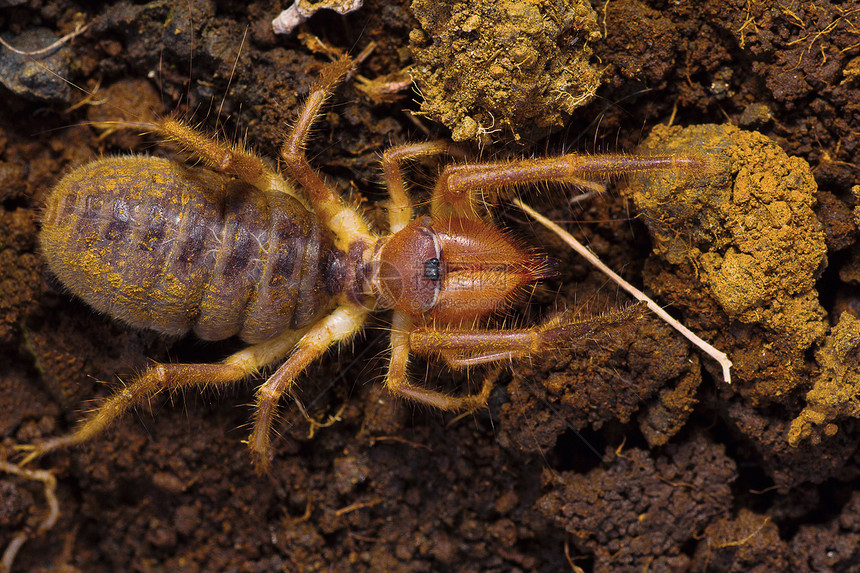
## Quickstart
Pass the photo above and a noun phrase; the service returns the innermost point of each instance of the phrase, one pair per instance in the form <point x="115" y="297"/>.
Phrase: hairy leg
<point x="161" y="377"/>
<point x="220" y="156"/>
<point x="342" y="219"/>
<point x="342" y="323"/>
<point x="400" y="210"/>
<point x="234" y="159"/>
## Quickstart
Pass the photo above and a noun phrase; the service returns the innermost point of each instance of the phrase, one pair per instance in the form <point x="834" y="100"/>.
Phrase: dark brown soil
<point x="622" y="452"/>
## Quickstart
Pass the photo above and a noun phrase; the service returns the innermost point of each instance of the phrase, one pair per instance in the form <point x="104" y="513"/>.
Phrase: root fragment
<point x="50" y="483"/>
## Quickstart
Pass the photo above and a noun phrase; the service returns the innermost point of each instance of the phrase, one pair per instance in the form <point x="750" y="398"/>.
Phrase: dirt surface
<point x="624" y="451"/>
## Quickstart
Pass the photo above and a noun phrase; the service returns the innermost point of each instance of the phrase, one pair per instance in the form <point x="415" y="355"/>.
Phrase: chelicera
<point x="235" y="249"/>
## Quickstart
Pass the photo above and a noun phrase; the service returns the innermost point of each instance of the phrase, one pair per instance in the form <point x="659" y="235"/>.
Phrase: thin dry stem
<point x="80" y="29"/>
<point x="639" y="295"/>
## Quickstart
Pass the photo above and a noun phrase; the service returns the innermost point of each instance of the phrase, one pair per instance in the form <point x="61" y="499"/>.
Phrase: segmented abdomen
<point x="160" y="245"/>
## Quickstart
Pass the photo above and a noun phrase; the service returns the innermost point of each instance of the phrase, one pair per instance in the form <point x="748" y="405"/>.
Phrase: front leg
<point x="400" y="208"/>
<point x="397" y="380"/>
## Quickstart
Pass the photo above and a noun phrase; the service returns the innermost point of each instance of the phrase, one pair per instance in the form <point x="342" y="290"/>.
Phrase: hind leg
<point x="171" y="377"/>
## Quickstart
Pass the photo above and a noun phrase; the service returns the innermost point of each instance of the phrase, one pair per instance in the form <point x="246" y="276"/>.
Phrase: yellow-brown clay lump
<point x="836" y="392"/>
<point x="745" y="223"/>
<point x="516" y="65"/>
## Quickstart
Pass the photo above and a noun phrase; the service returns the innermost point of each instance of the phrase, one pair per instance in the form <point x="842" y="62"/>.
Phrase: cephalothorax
<point x="234" y="249"/>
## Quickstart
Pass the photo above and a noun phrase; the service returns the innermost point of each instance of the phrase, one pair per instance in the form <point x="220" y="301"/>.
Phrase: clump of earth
<point x="503" y="66"/>
<point x="743" y="233"/>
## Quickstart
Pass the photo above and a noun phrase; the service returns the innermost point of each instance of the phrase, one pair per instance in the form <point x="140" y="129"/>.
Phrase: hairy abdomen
<point x="163" y="246"/>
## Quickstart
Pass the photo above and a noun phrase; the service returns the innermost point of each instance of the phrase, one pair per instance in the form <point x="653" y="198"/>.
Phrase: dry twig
<point x="639" y="295"/>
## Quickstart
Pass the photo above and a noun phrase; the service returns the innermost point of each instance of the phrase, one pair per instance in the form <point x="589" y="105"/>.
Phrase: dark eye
<point x="432" y="269"/>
